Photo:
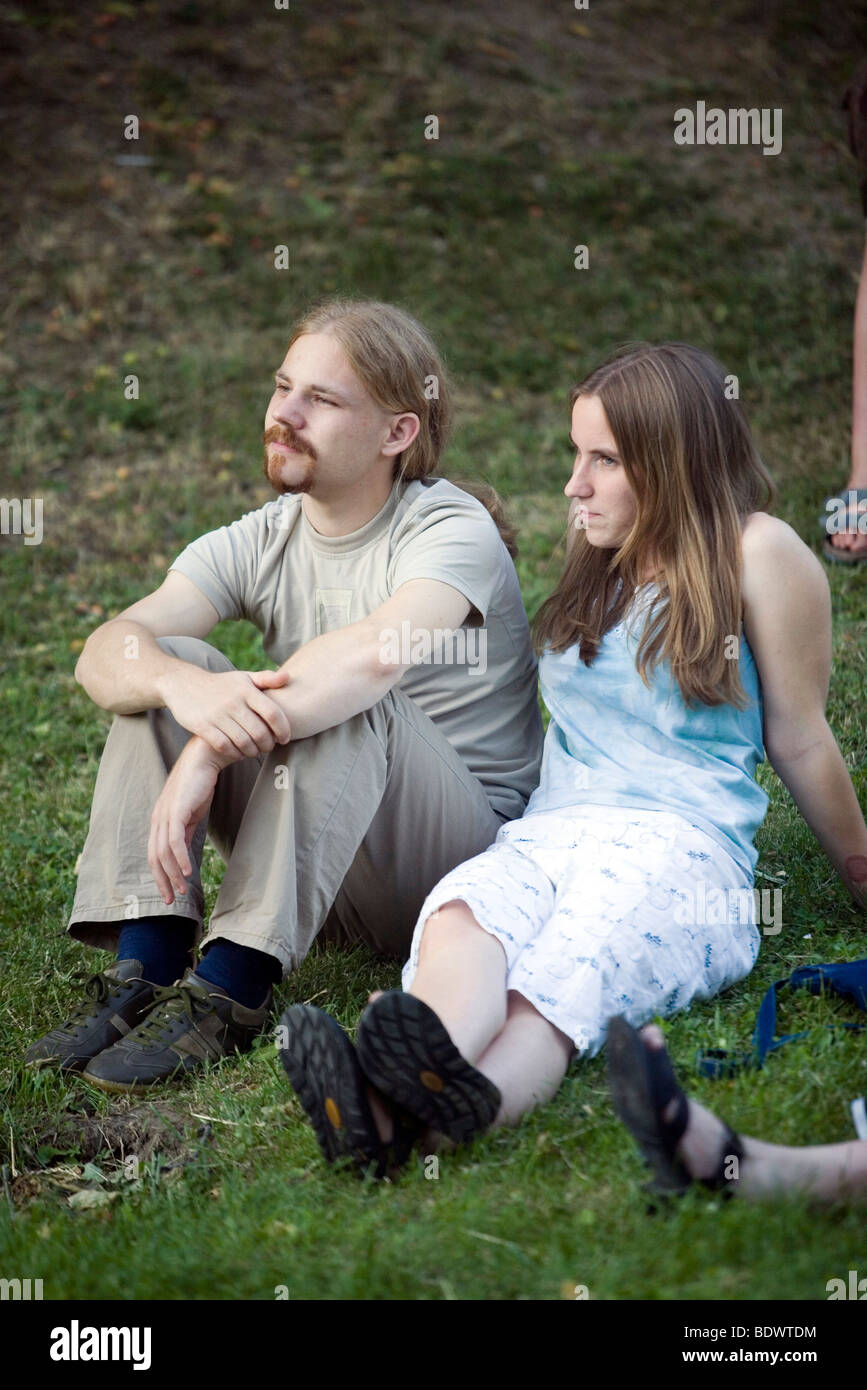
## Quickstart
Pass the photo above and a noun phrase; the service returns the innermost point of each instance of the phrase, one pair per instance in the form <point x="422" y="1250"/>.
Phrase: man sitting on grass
<point x="339" y="788"/>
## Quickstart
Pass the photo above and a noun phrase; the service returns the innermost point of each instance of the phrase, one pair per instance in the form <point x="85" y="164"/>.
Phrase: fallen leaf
<point x="495" y="51"/>
<point x="90" y="1198"/>
<point x="280" y="1228"/>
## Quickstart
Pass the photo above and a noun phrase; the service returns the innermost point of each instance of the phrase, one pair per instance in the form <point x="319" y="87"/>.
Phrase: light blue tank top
<point x="613" y="742"/>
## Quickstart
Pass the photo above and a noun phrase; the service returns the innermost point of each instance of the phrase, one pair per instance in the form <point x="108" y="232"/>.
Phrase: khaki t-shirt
<point x="478" y="686"/>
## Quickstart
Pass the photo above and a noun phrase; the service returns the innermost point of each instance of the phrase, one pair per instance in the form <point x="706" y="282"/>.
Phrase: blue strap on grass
<point x="848" y="979"/>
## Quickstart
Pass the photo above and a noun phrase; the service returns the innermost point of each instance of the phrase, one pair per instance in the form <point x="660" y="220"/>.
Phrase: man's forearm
<point x="334" y="677"/>
<point x="123" y="669"/>
<point x="820" y="784"/>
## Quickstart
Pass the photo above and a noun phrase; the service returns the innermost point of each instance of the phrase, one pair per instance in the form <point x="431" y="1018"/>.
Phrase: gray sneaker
<point x="115" y="1001"/>
<point x="191" y="1022"/>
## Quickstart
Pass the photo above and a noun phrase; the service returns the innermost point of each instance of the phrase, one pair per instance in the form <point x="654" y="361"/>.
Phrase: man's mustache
<point x="282" y="434"/>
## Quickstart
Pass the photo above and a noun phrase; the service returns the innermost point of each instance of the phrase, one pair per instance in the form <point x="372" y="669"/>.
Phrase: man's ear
<point x="404" y="429"/>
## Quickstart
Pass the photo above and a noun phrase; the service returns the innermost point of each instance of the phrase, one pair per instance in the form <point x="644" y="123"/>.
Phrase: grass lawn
<point x="305" y="128"/>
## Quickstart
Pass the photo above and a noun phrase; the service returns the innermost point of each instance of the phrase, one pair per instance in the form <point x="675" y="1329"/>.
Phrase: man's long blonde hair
<point x="400" y="366"/>
<point x="402" y="370"/>
<point x="690" y="459"/>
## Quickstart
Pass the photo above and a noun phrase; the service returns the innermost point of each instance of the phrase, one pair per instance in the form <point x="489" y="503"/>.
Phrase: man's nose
<point x="289" y="410"/>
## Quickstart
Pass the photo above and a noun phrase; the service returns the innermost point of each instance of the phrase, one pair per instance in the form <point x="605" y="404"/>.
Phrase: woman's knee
<point x="451" y="925"/>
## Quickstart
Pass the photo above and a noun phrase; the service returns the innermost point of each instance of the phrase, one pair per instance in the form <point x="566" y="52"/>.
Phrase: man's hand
<point x="182" y="803"/>
<point x="229" y="709"/>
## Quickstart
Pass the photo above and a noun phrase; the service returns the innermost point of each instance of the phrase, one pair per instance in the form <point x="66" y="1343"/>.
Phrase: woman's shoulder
<point x="768" y="542"/>
<point x="760" y="527"/>
<point x="775" y="560"/>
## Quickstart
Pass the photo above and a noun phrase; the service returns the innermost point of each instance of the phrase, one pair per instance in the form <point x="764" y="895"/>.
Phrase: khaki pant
<point x="347" y="830"/>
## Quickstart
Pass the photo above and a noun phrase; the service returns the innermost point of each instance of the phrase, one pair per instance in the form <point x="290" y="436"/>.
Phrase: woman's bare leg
<point x="526" y="1061"/>
<point x="828" y="1171"/>
<point x="461" y="975"/>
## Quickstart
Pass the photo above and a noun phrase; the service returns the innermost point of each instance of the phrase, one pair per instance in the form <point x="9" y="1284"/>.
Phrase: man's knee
<point x="196" y="651"/>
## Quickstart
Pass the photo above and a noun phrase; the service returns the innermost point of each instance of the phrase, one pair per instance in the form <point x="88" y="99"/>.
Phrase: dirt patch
<point x="88" y="1159"/>
<point x="143" y="1131"/>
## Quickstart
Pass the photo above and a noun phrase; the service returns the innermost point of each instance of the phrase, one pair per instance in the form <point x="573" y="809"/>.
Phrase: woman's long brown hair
<point x="696" y="474"/>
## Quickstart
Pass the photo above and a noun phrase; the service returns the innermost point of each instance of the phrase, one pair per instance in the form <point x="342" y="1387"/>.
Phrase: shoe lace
<point x="97" y="988"/>
<point x="170" y="1003"/>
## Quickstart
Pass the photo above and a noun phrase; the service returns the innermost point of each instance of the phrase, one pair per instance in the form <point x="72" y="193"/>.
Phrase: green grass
<point x="269" y="128"/>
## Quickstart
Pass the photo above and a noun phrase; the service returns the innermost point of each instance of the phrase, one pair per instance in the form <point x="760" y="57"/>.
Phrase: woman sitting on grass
<point x="689" y="628"/>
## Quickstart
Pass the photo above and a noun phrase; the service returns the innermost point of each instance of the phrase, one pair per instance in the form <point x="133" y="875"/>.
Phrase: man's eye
<point x="279" y="386"/>
<point x="613" y="462"/>
<point x="323" y="399"/>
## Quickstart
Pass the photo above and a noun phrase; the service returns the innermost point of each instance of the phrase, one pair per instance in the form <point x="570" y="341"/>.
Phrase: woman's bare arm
<point x="787" y="620"/>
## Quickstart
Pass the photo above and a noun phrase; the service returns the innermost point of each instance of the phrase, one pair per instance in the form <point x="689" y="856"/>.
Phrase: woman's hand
<point x="787" y="619"/>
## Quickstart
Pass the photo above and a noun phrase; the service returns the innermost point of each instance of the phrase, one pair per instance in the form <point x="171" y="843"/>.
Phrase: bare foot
<point x="852" y="539"/>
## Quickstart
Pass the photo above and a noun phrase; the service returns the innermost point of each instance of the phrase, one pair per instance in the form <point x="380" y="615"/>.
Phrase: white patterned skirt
<point x="606" y="910"/>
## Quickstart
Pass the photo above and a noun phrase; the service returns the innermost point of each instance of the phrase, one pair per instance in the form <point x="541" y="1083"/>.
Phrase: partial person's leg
<point x="853" y="539"/>
<point x="382" y="800"/>
<point x="858" y="476"/>
<point x="470" y="928"/>
<point x="826" y="1171"/>
<point x="462" y="976"/>
<point x="526" y="1062"/>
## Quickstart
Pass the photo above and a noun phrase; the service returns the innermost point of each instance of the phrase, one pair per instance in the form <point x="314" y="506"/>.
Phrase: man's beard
<point x="280" y="434"/>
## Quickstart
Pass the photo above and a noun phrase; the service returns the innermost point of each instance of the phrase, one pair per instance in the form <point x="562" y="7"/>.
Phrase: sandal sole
<point x="324" y="1072"/>
<point x="407" y="1054"/>
<point x="632" y="1095"/>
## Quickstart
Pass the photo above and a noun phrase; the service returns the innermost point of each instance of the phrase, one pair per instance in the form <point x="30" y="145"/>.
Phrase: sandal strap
<point x="732" y="1148"/>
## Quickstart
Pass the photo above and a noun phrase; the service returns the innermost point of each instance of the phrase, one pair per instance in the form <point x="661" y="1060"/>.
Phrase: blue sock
<point x="244" y="973"/>
<point x="161" y="944"/>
